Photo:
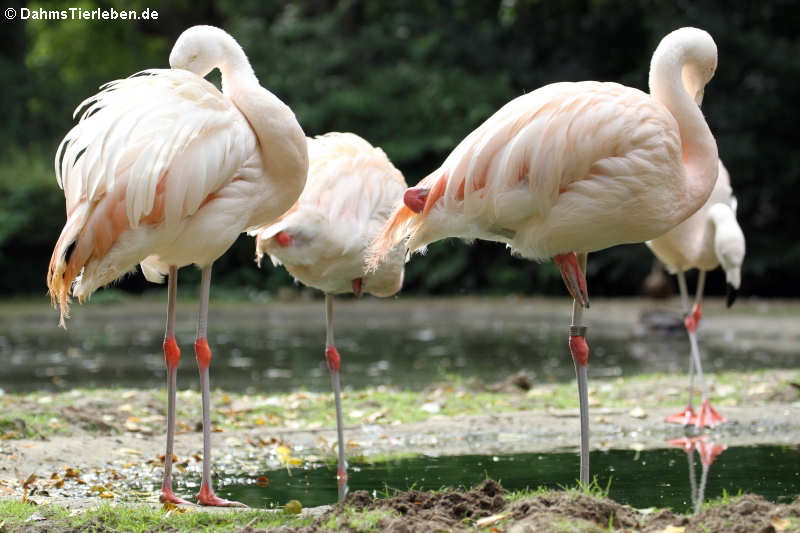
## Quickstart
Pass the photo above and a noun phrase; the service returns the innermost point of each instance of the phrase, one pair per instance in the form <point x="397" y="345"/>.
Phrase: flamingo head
<point x="200" y="49"/>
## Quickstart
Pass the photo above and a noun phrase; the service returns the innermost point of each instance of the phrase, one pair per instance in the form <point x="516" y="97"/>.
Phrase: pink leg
<point x="202" y="352"/>
<point x="334" y="361"/>
<point x="573" y="277"/>
<point x="687" y="416"/>
<point x="578" y="348"/>
<point x="172" y="355"/>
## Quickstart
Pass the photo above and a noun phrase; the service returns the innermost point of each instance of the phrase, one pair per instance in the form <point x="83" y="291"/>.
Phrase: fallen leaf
<point x="637" y="412"/>
<point x="673" y="529"/>
<point x="780" y="524"/>
<point x="293" y="507"/>
<point x="431" y="407"/>
<point x="35" y="517"/>
<point x="107" y="495"/>
<point x="492" y="520"/>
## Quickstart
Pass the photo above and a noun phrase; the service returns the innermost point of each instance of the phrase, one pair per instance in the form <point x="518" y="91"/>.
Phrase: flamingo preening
<point x="165" y="170"/>
<point x="322" y="240"/>
<point x="571" y="168"/>
<point x="708" y="239"/>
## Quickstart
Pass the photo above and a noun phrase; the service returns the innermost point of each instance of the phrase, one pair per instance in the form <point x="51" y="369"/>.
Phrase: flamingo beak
<point x="730" y="295"/>
<point x="414" y="198"/>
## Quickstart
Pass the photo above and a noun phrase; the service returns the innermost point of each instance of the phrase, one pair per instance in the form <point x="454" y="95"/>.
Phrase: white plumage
<point x="351" y="189"/>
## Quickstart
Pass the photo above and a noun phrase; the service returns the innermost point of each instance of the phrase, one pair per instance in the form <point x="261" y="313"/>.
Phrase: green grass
<point x="140" y="518"/>
<point x="358" y="520"/>
<point x="39" y="414"/>
<point x="725" y="499"/>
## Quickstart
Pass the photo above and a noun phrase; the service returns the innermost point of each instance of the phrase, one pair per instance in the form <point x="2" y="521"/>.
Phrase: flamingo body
<point x="323" y="239"/>
<point x="571" y="168"/>
<point x="164" y="170"/>
<point x="351" y="189"/>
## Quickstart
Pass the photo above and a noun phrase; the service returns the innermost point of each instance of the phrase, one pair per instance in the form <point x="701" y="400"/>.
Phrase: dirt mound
<point x="539" y="513"/>
<point x="553" y="511"/>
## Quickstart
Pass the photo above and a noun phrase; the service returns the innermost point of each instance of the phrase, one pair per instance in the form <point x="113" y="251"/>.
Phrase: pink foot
<point x="708" y="416"/>
<point x="685" y="417"/>
<point x="206" y="496"/>
<point x="167" y="496"/>
<point x="708" y="450"/>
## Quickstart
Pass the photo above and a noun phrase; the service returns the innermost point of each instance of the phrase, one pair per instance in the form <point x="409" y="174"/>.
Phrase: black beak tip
<point x="731" y="294"/>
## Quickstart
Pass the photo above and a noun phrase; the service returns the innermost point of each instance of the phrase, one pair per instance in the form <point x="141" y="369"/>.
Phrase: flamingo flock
<point x="163" y="170"/>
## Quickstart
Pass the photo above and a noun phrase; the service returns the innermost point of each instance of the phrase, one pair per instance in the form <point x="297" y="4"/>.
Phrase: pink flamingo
<point x="322" y="239"/>
<point x="572" y="168"/>
<point x="165" y="170"/>
<point x="709" y="238"/>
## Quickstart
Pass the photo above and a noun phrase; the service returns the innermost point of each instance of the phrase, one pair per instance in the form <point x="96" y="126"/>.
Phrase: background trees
<point x="415" y="78"/>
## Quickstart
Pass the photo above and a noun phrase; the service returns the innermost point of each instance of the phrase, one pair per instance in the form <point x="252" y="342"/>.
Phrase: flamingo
<point x="322" y="239"/>
<point x="709" y="238"/>
<point x="165" y="170"/>
<point x="572" y="168"/>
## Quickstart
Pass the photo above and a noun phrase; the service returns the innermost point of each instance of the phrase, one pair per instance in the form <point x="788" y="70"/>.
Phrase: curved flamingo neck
<point x="666" y="86"/>
<point x="235" y="68"/>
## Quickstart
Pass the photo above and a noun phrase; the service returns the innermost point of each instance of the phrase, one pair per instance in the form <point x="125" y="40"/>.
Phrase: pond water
<point x="655" y="478"/>
<point x="271" y="349"/>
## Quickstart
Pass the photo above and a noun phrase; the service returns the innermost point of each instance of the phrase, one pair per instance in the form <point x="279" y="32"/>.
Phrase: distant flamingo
<point x="709" y="238"/>
<point x="572" y="168"/>
<point x="164" y="170"/>
<point x="322" y="239"/>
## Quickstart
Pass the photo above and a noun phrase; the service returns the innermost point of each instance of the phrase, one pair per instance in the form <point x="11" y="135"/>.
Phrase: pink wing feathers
<point x="598" y="141"/>
<point x="148" y="150"/>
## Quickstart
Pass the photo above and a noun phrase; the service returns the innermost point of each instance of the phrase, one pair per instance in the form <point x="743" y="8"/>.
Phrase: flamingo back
<point x="349" y="193"/>
<point x="549" y="164"/>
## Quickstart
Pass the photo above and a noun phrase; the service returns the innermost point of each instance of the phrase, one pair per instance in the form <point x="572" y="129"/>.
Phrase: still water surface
<point x="268" y="349"/>
<point x="654" y="478"/>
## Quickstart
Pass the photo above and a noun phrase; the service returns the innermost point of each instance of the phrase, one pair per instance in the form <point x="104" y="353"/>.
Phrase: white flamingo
<point x="165" y="170"/>
<point x="708" y="239"/>
<point x="572" y="168"/>
<point x="322" y="239"/>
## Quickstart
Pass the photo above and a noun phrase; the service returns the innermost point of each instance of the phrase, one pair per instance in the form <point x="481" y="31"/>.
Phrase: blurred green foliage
<point x="415" y="78"/>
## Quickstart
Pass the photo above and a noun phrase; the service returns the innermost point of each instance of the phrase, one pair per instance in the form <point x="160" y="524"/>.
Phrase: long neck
<point x="699" y="146"/>
<point x="281" y="139"/>
<point x="236" y="70"/>
<point x="284" y="152"/>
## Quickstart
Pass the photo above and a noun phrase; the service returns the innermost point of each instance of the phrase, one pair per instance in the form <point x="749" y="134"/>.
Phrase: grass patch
<point x="725" y="499"/>
<point x="105" y="411"/>
<point x="138" y="518"/>
<point x="357" y="520"/>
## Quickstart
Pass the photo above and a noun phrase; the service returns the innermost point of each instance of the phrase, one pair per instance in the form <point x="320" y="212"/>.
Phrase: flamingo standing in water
<point x="323" y="238"/>
<point x="165" y="170"/>
<point x="575" y="167"/>
<point x="709" y="238"/>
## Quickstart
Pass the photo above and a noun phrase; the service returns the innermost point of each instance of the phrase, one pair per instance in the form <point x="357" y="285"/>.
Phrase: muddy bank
<point x="487" y="506"/>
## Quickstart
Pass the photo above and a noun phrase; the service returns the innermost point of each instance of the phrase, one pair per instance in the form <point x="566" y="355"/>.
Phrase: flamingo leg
<point x="202" y="352"/>
<point x="688" y="415"/>
<point x="172" y="355"/>
<point x="580" y="356"/>
<point x="707" y="416"/>
<point x="334" y="361"/>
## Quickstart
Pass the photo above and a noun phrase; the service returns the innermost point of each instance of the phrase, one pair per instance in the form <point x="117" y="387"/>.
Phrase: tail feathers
<point x="69" y="256"/>
<point x="393" y="232"/>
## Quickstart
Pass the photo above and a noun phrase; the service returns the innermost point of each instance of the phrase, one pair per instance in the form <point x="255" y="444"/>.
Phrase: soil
<point x="486" y="506"/>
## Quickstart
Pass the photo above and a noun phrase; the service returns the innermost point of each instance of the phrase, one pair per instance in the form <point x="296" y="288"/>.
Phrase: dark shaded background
<point x="415" y="78"/>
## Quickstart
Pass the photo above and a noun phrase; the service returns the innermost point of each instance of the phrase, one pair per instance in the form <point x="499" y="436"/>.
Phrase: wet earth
<point x="486" y="506"/>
